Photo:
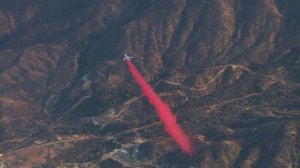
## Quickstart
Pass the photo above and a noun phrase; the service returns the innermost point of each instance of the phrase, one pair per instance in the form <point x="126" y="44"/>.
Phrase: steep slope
<point x="229" y="69"/>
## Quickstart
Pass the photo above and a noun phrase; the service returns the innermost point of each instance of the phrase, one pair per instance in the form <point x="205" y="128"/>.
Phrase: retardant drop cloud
<point x="165" y="115"/>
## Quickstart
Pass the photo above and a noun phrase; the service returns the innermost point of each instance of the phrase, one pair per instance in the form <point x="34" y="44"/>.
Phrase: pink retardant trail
<point x="163" y="111"/>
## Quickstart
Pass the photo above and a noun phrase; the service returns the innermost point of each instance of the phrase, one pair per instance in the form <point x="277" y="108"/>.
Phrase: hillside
<point x="230" y="70"/>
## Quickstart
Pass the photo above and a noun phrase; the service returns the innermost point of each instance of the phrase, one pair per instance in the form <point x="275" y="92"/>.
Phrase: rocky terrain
<point x="229" y="69"/>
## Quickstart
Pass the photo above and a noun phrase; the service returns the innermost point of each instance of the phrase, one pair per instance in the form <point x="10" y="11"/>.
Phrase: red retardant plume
<point x="165" y="115"/>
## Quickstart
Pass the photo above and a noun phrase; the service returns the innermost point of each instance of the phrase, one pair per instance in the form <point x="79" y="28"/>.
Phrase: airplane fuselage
<point x="126" y="57"/>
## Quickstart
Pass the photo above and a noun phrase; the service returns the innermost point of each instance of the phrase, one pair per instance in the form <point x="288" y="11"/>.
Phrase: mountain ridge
<point x="228" y="69"/>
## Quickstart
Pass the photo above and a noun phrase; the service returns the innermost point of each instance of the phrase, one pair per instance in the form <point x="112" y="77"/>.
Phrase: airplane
<point x="126" y="57"/>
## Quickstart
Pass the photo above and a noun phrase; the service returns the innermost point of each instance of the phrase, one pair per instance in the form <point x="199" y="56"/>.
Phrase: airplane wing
<point x="126" y="57"/>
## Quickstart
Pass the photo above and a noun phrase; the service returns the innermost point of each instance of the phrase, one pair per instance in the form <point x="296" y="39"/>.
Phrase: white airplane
<point x="126" y="57"/>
